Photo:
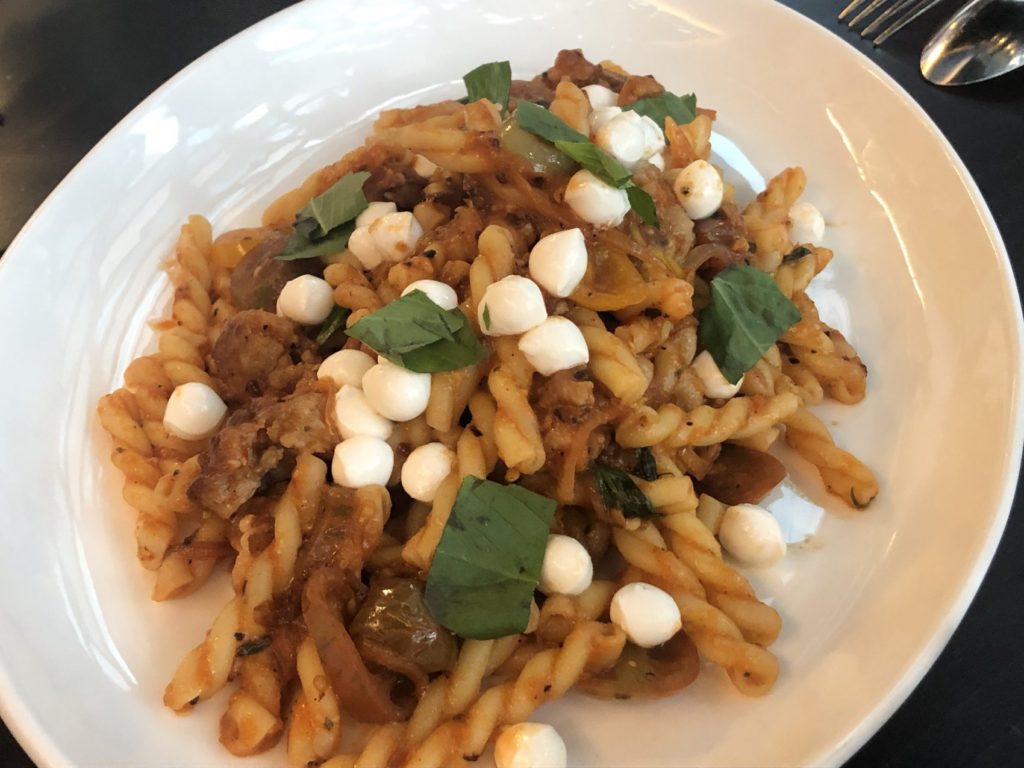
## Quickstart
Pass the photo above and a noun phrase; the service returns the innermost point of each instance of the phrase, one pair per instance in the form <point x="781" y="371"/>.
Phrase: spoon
<point x="984" y="39"/>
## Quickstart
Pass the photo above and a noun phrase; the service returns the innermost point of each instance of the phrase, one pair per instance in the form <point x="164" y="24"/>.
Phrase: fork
<point x="894" y="16"/>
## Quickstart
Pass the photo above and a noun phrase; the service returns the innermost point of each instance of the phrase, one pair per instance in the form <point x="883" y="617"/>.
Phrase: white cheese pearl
<point x="600" y="96"/>
<point x="648" y="615"/>
<point x="362" y="460"/>
<point x="425" y="469"/>
<point x="657" y="160"/>
<point x="353" y="415"/>
<point x="699" y="189"/>
<point x="360" y="243"/>
<point x="596" y="202"/>
<point x="396" y="235"/>
<point x="623" y="137"/>
<point x="374" y="211"/>
<point x="440" y="293"/>
<point x="567" y="568"/>
<point x="752" y="535"/>
<point x="602" y="115"/>
<point x="805" y="224"/>
<point x="306" y="300"/>
<point x="423" y="167"/>
<point x="511" y="306"/>
<point x="193" y="411"/>
<point x="559" y="261"/>
<point x="530" y="745"/>
<point x="396" y="393"/>
<point x="654" y="137"/>
<point x="345" y="367"/>
<point x="554" y="345"/>
<point x="715" y="384"/>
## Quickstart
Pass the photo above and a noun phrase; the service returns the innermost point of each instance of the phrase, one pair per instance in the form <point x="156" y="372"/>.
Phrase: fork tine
<point x="873" y="6"/>
<point x="849" y="9"/>
<point x="898" y="7"/>
<point x="922" y="7"/>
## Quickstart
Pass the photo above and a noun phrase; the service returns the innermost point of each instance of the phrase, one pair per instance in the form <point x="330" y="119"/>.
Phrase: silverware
<point x="894" y="16"/>
<point x="984" y="39"/>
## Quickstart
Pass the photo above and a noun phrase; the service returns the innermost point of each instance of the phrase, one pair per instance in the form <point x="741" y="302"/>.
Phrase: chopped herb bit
<point x="642" y="203"/>
<point x="619" y="491"/>
<point x="796" y="254"/>
<point x="646" y="466"/>
<point x="417" y="334"/>
<point x="487" y="564"/>
<point x="335" y="320"/>
<point x="323" y="227"/>
<point x="253" y="646"/>
<point x="491" y="81"/>
<point x="747" y="315"/>
<point x="487" y="317"/>
<point x="682" y="109"/>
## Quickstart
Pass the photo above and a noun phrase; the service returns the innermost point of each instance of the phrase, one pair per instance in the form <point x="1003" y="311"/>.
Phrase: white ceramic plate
<point x="921" y="284"/>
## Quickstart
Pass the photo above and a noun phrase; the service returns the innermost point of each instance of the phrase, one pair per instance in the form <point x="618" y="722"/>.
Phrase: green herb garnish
<point x="541" y="122"/>
<point x="417" y="334"/>
<point x="487" y="564"/>
<point x="491" y="81"/>
<point x="253" y="646"/>
<point x="487" y="317"/>
<point x="796" y="254"/>
<point x="682" y="109"/>
<point x="646" y="466"/>
<point x="335" y="320"/>
<point x="746" y="316"/>
<point x="323" y="227"/>
<point x="619" y="491"/>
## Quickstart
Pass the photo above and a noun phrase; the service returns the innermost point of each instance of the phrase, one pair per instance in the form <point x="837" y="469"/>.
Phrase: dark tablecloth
<point x="70" y="69"/>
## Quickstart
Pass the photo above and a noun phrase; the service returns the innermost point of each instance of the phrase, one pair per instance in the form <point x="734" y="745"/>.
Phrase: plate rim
<point x="34" y="739"/>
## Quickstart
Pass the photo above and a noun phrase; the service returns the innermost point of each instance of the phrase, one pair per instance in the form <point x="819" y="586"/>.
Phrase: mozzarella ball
<point x="193" y="411"/>
<point x="374" y="211"/>
<point x="657" y="160"/>
<point x="396" y="235"/>
<point x="699" y="189"/>
<point x="752" y="535"/>
<point x="423" y="167"/>
<point x="715" y="384"/>
<point x="306" y="300"/>
<point x="425" y="469"/>
<point x="345" y="367"/>
<point x="396" y="393"/>
<point x="559" y="261"/>
<point x="530" y="745"/>
<point x="600" y="96"/>
<point x="596" y="202"/>
<point x="362" y="460"/>
<point x="440" y="293"/>
<point x="602" y="115"/>
<point x="511" y="306"/>
<point x="648" y="615"/>
<point x="805" y="224"/>
<point x="623" y="137"/>
<point x="654" y="137"/>
<point x="360" y="243"/>
<point x="353" y="415"/>
<point x="567" y="568"/>
<point x="555" y="345"/>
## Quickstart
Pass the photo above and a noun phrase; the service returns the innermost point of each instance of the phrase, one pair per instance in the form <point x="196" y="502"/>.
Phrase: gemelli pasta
<point x="477" y="414"/>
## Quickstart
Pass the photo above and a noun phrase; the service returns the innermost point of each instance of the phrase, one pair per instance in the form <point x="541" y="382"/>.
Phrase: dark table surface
<point x="70" y="69"/>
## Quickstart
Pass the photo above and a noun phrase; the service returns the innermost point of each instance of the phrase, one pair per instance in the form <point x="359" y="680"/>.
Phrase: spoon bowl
<point x="984" y="39"/>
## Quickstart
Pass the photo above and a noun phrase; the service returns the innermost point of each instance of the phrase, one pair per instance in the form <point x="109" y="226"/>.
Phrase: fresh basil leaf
<point x="642" y="203"/>
<point x="646" y="466"/>
<point x="417" y="334"/>
<point x="338" y="205"/>
<point x="682" y="109"/>
<point x="299" y="247"/>
<point x="597" y="161"/>
<point x="539" y="121"/>
<point x="746" y="316"/>
<point x="619" y="491"/>
<point x="335" y="320"/>
<point x="487" y="564"/>
<point x="487" y="317"/>
<point x="796" y="254"/>
<point x="491" y="81"/>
